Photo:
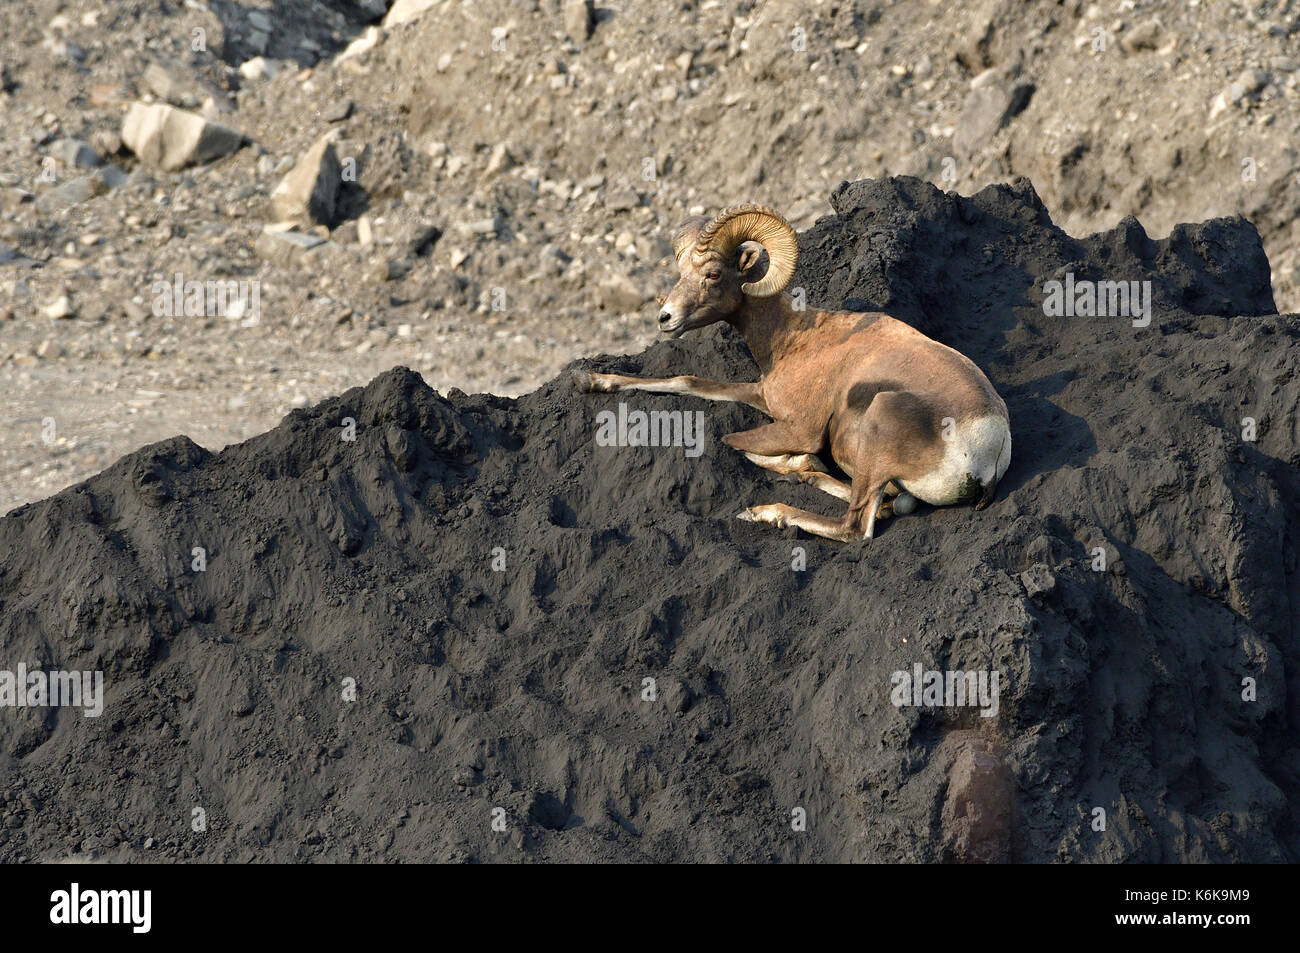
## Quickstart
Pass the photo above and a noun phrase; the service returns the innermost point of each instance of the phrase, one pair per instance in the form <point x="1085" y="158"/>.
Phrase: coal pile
<point x="424" y="624"/>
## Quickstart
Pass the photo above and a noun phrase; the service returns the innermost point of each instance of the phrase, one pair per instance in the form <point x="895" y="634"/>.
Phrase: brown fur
<point x="868" y="389"/>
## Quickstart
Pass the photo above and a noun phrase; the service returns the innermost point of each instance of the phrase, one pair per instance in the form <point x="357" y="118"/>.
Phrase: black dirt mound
<point x="499" y="588"/>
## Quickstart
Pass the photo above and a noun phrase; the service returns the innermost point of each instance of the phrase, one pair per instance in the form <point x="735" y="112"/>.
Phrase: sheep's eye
<point x="712" y="276"/>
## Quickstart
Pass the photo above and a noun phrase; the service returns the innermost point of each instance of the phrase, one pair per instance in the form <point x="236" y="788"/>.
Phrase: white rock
<point x="60" y="307"/>
<point x="309" y="193"/>
<point x="257" y="70"/>
<point x="577" y="19"/>
<point x="172" y="139"/>
<point x="366" y="41"/>
<point x="405" y="10"/>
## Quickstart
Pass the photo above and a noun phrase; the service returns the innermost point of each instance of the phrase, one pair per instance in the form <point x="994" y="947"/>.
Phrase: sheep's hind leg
<point x="741" y="392"/>
<point x="780" y="515"/>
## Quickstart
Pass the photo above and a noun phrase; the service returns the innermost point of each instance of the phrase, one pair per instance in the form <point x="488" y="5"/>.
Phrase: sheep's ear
<point x="752" y="262"/>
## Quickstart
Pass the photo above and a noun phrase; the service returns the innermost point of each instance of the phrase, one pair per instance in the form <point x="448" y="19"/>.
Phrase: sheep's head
<point x="746" y="250"/>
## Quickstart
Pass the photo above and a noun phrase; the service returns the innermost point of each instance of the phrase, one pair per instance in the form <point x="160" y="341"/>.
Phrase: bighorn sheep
<point x="902" y="415"/>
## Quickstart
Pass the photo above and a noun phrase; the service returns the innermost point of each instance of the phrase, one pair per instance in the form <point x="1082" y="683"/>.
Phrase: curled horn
<point x="686" y="233"/>
<point x="754" y="223"/>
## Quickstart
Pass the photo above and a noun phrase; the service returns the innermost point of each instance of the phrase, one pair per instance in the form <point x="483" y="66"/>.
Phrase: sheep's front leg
<point x="780" y="515"/>
<point x="744" y="392"/>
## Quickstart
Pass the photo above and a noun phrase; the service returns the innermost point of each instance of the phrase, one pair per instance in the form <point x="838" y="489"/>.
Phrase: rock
<point x="111" y="176"/>
<point x="498" y="161"/>
<point x="973" y="47"/>
<point x="81" y="189"/>
<point x="418" y="239"/>
<point x="286" y="249"/>
<point x="159" y="81"/>
<point x="172" y="139"/>
<point x="259" y="21"/>
<point x="1144" y="36"/>
<point x="991" y="104"/>
<point x="76" y="153"/>
<point x="1249" y="83"/>
<point x="1245" y="87"/>
<point x="66" y="194"/>
<point x="620" y="294"/>
<point x="338" y="112"/>
<point x="12" y="199"/>
<point x="258" y="69"/>
<point x="392" y="269"/>
<point x="62" y="49"/>
<point x="404" y="11"/>
<point x="622" y="200"/>
<point x="482" y="226"/>
<point x="172" y="83"/>
<point x="578" y="19"/>
<point x="243" y="704"/>
<point x="309" y="193"/>
<point x="1038" y="580"/>
<point x="365" y="42"/>
<point x="746" y="782"/>
<point x="678" y="696"/>
<point x="59" y="308"/>
<point x="11" y="256"/>
<point x="106" y="141"/>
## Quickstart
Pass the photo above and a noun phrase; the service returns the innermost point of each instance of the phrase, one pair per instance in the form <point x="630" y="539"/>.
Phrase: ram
<point x="902" y="416"/>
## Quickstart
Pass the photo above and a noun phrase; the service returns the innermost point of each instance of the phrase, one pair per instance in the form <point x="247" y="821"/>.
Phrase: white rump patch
<point x="979" y="450"/>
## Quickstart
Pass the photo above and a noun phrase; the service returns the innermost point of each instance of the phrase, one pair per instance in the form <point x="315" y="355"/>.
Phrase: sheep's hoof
<point x="590" y="382"/>
<point x="773" y="513"/>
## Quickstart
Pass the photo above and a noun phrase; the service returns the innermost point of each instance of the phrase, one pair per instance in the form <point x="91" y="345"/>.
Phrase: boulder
<point x="310" y="192"/>
<point x="171" y="138"/>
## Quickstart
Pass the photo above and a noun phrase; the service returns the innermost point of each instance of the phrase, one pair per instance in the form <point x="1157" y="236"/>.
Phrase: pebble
<point x="58" y="309"/>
